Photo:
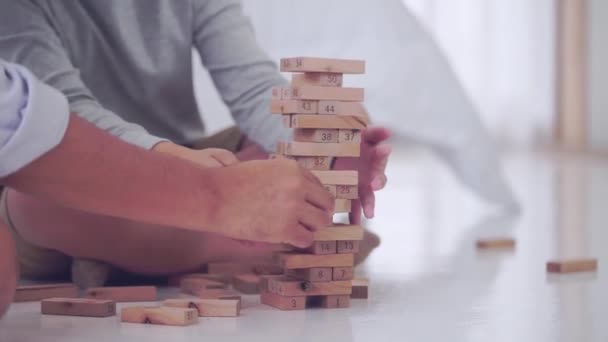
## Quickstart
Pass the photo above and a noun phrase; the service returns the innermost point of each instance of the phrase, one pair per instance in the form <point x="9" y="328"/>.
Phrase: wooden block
<point x="347" y="191"/>
<point x="332" y="189"/>
<point x="267" y="269"/>
<point x="315" y="163"/>
<point x="325" y="93"/>
<point x="342" y="108"/>
<point x="360" y="288"/>
<point x="321" y="79"/>
<point x="293" y="260"/>
<point x="175" y="280"/>
<point x="322" y="248"/>
<point x="229" y="268"/>
<point x="347" y="246"/>
<point x="335" y="302"/>
<point x="247" y="283"/>
<point x="78" y="307"/>
<point x="218" y="294"/>
<point x="349" y="136"/>
<point x="339" y="232"/>
<point x="277" y="93"/>
<point x="294" y="106"/>
<point x="122" y="294"/>
<point x="283" y="303"/>
<point x="314" y="274"/>
<point x="342" y="206"/>
<point x="194" y="285"/>
<point x="337" y="177"/>
<point x="208" y="307"/>
<point x="313" y="64"/>
<point x="324" y="121"/>
<point x="159" y="315"/>
<point x="343" y="273"/>
<point x="319" y="135"/>
<point x="290" y="287"/>
<point x="307" y="149"/>
<point x="572" y="265"/>
<point x="32" y="293"/>
<point x="496" y="243"/>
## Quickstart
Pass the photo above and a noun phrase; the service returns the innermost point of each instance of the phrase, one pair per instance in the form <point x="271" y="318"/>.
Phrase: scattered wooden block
<point x="349" y="136"/>
<point x="314" y="163"/>
<point x="194" y="285"/>
<point x="32" y="293"/>
<point x="78" y="307"/>
<point x="208" y="307"/>
<point x="229" y="268"/>
<point x="324" y="122"/>
<point x="307" y="149"/>
<point x="332" y="189"/>
<point x="310" y="64"/>
<point x="342" y="206"/>
<point x="335" y="302"/>
<point x="220" y="278"/>
<point x="342" y="108"/>
<point x="318" y="135"/>
<point x="347" y="246"/>
<point x="217" y="294"/>
<point x="314" y="274"/>
<point x="247" y="283"/>
<point x="293" y="287"/>
<point x="321" y="79"/>
<point x="122" y="294"/>
<point x="337" y="177"/>
<point x="294" y="260"/>
<point x="283" y="303"/>
<point x="322" y="248"/>
<point x="159" y="315"/>
<point x="325" y="93"/>
<point x="496" y="243"/>
<point x="347" y="191"/>
<point x="339" y="232"/>
<point x="294" y="106"/>
<point x="572" y="265"/>
<point x="360" y="288"/>
<point x="343" y="273"/>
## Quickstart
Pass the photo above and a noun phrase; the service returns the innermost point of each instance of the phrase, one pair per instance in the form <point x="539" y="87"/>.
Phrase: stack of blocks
<point x="327" y="120"/>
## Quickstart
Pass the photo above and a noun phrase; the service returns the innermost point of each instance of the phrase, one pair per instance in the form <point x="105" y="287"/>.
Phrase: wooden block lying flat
<point x="220" y="278"/>
<point x="32" y="293"/>
<point x="322" y="247"/>
<point x="277" y="93"/>
<point x="294" y="106"/>
<point x="208" y="307"/>
<point x="217" y="294"/>
<point x="159" y="315"/>
<point x="229" y="268"/>
<point x="571" y="266"/>
<point x="335" y="302"/>
<point x="294" y="260"/>
<point x="332" y="189"/>
<point x="349" y="136"/>
<point x="293" y="287"/>
<point x="312" y="64"/>
<point x="340" y="232"/>
<point x="325" y="93"/>
<point x="194" y="285"/>
<point x="307" y="149"/>
<point x="283" y="303"/>
<point x="347" y="246"/>
<point x="360" y="288"/>
<point x="318" y="135"/>
<point x="342" y="108"/>
<point x="247" y="283"/>
<point x="347" y="191"/>
<point x="78" y="307"/>
<point x="321" y="79"/>
<point x="497" y="243"/>
<point x="123" y="294"/>
<point x="314" y="274"/>
<point x="337" y="177"/>
<point x="324" y="121"/>
<point x="343" y="273"/>
<point x="342" y="206"/>
<point x="315" y="163"/>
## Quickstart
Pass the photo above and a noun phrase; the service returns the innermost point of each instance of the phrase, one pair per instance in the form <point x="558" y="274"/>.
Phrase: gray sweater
<point x="126" y="65"/>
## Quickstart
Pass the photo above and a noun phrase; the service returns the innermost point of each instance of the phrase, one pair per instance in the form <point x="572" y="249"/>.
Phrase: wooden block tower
<point x="327" y="120"/>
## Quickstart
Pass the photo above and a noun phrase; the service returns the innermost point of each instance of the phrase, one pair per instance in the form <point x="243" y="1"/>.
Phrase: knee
<point x="8" y="269"/>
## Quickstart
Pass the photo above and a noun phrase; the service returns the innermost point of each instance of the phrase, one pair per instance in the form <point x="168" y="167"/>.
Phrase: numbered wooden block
<point x="322" y="247"/>
<point x="339" y="232"/>
<point x="325" y="93"/>
<point x="342" y="206"/>
<point x="343" y="273"/>
<point x="311" y="64"/>
<point x="294" y="106"/>
<point x="347" y="246"/>
<point x="360" y="289"/>
<point x="335" y="302"/>
<point x="342" y="108"/>
<point x="307" y="149"/>
<point x="194" y="285"/>
<point x="321" y="79"/>
<point x="78" y="307"/>
<point x="337" y="177"/>
<point x="324" y="121"/>
<point x="290" y="287"/>
<point x="315" y="163"/>
<point x="122" y="294"/>
<point x="314" y="274"/>
<point x="159" y="315"/>
<point x="294" y="260"/>
<point x="208" y="307"/>
<point x="217" y="294"/>
<point x="318" y="135"/>
<point x="31" y="293"/>
<point x="347" y="191"/>
<point x="277" y="93"/>
<point x="572" y="265"/>
<point x="349" y="136"/>
<point x="332" y="189"/>
<point x="247" y="283"/>
<point x="283" y="303"/>
<point x="496" y="243"/>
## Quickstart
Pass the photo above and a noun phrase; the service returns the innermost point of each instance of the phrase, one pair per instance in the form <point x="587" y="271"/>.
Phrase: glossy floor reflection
<point x="428" y="283"/>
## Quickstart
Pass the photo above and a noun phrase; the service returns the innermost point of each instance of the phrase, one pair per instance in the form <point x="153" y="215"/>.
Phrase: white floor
<point x="428" y="281"/>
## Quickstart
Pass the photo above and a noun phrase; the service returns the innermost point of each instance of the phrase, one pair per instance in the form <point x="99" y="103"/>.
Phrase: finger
<point x="318" y="196"/>
<point x="224" y="157"/>
<point x="379" y="182"/>
<point x="310" y="176"/>
<point x="355" y="214"/>
<point x="313" y="218"/>
<point x="375" y="135"/>
<point x="368" y="201"/>
<point x="300" y="237"/>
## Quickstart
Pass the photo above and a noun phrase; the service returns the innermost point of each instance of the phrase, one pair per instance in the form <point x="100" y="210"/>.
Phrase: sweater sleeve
<point x="241" y="71"/>
<point x="28" y="39"/>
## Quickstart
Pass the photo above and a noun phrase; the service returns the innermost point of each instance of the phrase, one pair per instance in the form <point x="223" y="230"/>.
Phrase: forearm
<point x="93" y="171"/>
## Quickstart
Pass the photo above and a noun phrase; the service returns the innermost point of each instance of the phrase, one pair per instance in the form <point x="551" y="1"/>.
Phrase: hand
<point x="274" y="201"/>
<point x="371" y="166"/>
<point x="209" y="157"/>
